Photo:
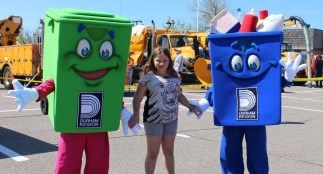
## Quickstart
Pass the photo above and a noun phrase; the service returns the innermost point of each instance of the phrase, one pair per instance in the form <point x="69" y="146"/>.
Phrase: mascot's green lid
<point x="88" y="16"/>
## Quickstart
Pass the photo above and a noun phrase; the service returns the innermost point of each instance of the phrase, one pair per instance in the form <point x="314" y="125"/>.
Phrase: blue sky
<point x="146" y="10"/>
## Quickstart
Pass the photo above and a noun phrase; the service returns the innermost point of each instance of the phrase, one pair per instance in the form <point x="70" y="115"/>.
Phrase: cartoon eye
<point x="83" y="48"/>
<point x="236" y="63"/>
<point x="253" y="62"/>
<point x="106" y="50"/>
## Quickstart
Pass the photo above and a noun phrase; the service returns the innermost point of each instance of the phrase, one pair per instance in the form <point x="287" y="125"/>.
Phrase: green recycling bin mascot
<point x="85" y="60"/>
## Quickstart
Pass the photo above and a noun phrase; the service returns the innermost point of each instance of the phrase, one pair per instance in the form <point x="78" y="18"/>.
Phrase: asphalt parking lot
<point x="28" y="144"/>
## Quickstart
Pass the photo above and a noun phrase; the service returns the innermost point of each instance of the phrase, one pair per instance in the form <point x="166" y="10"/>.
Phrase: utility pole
<point x="197" y="15"/>
<point x="120" y="10"/>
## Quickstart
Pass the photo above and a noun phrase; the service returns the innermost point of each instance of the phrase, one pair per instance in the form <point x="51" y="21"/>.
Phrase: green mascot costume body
<point x="85" y="60"/>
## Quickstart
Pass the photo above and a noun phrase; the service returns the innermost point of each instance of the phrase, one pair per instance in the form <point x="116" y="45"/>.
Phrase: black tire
<point x="300" y="74"/>
<point x="44" y="106"/>
<point x="6" y="74"/>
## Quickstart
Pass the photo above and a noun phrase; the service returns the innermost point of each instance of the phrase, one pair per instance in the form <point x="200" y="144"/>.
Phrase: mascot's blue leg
<point x="231" y="150"/>
<point x="256" y="142"/>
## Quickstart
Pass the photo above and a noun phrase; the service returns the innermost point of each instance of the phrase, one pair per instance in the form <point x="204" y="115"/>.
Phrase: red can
<point x="249" y="22"/>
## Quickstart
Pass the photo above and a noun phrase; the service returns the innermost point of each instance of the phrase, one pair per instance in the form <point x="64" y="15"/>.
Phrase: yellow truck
<point x="145" y="38"/>
<point x="19" y="61"/>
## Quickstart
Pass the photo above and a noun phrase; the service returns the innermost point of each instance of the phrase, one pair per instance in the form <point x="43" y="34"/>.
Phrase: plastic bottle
<point x="249" y="22"/>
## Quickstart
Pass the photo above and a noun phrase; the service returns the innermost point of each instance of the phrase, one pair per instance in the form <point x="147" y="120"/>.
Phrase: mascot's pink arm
<point x="45" y="88"/>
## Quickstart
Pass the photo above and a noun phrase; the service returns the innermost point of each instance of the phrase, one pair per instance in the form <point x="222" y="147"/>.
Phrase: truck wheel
<point x="301" y="74"/>
<point x="44" y="106"/>
<point x="7" y="78"/>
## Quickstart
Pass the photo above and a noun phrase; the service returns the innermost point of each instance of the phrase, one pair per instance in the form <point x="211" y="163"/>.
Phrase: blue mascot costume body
<point x="246" y="95"/>
<point x="246" y="88"/>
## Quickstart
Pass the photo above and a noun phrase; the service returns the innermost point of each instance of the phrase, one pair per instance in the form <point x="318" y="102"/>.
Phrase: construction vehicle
<point x="145" y="38"/>
<point x="202" y="65"/>
<point x="19" y="61"/>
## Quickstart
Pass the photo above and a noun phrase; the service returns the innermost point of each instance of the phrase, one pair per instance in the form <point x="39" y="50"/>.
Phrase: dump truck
<point x="18" y="60"/>
<point x="145" y="38"/>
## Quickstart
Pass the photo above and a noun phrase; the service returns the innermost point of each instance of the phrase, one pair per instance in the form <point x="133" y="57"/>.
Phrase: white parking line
<point x="305" y="99"/>
<point x="16" y="110"/>
<point x="8" y="96"/>
<point x="305" y="109"/>
<point x="183" y="136"/>
<point x="15" y="156"/>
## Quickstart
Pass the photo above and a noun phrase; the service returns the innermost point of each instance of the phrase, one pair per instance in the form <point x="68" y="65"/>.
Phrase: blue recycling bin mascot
<point x="246" y="94"/>
<point x="245" y="71"/>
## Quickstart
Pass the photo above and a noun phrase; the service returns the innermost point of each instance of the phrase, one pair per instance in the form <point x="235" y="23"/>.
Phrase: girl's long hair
<point x="150" y="66"/>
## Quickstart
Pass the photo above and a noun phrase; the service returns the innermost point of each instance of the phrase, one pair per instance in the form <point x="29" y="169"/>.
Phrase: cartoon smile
<point x="93" y="75"/>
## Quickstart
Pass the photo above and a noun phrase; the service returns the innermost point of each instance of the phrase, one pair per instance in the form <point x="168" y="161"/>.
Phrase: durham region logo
<point x="247" y="99"/>
<point x="90" y="110"/>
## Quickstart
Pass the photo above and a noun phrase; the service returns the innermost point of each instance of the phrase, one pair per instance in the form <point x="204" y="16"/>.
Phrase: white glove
<point x="203" y="104"/>
<point x="292" y="67"/>
<point x="125" y="117"/>
<point x="23" y="95"/>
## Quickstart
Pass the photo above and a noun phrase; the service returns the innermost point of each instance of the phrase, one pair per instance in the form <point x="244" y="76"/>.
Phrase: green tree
<point x="206" y="10"/>
<point x="24" y="37"/>
<point x="180" y="26"/>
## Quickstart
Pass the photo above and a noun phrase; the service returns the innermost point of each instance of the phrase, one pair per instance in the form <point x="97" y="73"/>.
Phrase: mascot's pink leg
<point x="70" y="152"/>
